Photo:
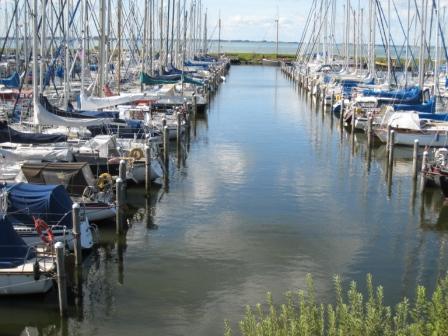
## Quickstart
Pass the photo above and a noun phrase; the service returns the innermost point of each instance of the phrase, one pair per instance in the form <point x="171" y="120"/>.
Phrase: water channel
<point x="269" y="191"/>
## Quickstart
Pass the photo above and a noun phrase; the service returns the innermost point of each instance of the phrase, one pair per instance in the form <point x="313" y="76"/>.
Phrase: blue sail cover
<point x="52" y="203"/>
<point x="428" y="107"/>
<point x="8" y="134"/>
<point x="405" y="94"/>
<point x="12" y="81"/>
<point x="13" y="250"/>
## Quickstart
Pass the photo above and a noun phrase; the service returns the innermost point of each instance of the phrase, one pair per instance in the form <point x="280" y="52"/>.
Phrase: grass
<point x="255" y="58"/>
<point x="353" y="314"/>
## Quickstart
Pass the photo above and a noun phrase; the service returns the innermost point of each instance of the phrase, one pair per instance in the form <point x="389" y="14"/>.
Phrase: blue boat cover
<point x="12" y="81"/>
<point x="405" y="94"/>
<point x="52" y="203"/>
<point x="8" y="134"/>
<point x="13" y="250"/>
<point x="428" y="107"/>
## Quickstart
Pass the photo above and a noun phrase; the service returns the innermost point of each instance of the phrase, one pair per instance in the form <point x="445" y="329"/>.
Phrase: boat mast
<point x="389" y="70"/>
<point x="407" y="46"/>
<point x="167" y="33"/>
<point x="43" y="46"/>
<point x="161" y="38"/>
<point x="16" y="35"/>
<point x="35" y="79"/>
<point x="178" y="34"/>
<point x="119" y="10"/>
<point x="67" y="60"/>
<point x="276" y="43"/>
<point x="219" y="35"/>
<point x="83" y="42"/>
<point x="151" y="35"/>
<point x="101" y="48"/>
<point x="436" y="63"/>
<point x="204" y="48"/>
<point x="421" y="70"/>
<point x="145" y="30"/>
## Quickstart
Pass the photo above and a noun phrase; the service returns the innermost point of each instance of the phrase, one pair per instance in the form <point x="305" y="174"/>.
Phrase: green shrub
<point x="353" y="314"/>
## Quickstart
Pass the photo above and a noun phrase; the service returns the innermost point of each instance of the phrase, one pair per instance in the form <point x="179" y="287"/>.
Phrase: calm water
<point x="268" y="192"/>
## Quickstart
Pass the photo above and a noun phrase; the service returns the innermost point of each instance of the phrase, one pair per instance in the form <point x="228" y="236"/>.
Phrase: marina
<point x="155" y="179"/>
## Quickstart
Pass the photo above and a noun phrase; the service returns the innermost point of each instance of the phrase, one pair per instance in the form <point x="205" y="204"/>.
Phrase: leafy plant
<point x="353" y="314"/>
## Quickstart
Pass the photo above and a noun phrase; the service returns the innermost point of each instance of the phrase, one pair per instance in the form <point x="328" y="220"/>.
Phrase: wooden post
<point x="341" y="115"/>
<point x="122" y="174"/>
<point x="148" y="169"/>
<point x="370" y="132"/>
<point x="391" y="147"/>
<point x="415" y="159"/>
<point x="61" y="278"/>
<point x="165" y="144"/>
<point x="194" y="105"/>
<point x="353" y="122"/>
<point x="77" y="234"/>
<point x="388" y="138"/>
<point x="423" y="175"/>
<point x="424" y="161"/>
<point x="179" y="128"/>
<point x="119" y="205"/>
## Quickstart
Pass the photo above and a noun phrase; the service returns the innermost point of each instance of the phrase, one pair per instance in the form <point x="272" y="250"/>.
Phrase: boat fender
<point x="136" y="153"/>
<point x="103" y="180"/>
<point x="43" y="230"/>
<point x="36" y="271"/>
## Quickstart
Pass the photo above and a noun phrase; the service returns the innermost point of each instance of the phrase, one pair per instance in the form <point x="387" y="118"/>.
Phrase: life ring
<point x="43" y="230"/>
<point x="103" y="180"/>
<point x="136" y="153"/>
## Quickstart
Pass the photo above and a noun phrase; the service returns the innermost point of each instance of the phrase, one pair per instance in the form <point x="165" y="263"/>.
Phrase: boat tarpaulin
<point x="12" y="81"/>
<point x="95" y="103"/>
<point x="8" y="134"/>
<point x="51" y="203"/>
<point x="74" y="176"/>
<point x="49" y="115"/>
<point x="13" y="250"/>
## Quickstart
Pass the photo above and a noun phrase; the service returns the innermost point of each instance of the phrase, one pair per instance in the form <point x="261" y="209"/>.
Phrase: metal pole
<point x="148" y="169"/>
<point x="61" y="278"/>
<point x="77" y="233"/>
<point x="119" y="205"/>
<point x="415" y="159"/>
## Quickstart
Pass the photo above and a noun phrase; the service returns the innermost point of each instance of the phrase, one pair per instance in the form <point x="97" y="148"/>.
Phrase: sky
<point x="255" y="20"/>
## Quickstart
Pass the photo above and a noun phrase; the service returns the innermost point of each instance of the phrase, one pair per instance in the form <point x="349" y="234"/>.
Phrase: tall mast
<point x="421" y="64"/>
<point x="276" y="40"/>
<point x="151" y="35"/>
<point x="172" y="33"/>
<point x="102" y="45"/>
<point x="178" y="34"/>
<point x="83" y="42"/>
<point x="389" y="72"/>
<point x="204" y="48"/>
<point x="43" y="46"/>
<point x="407" y="45"/>
<point x="25" y="36"/>
<point x="219" y="35"/>
<point x="35" y="88"/>
<point x="145" y="30"/>
<point x="167" y="33"/>
<point x="119" y="10"/>
<point x="161" y="37"/>
<point x="16" y="18"/>
<point x="436" y="63"/>
<point x="67" y="58"/>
